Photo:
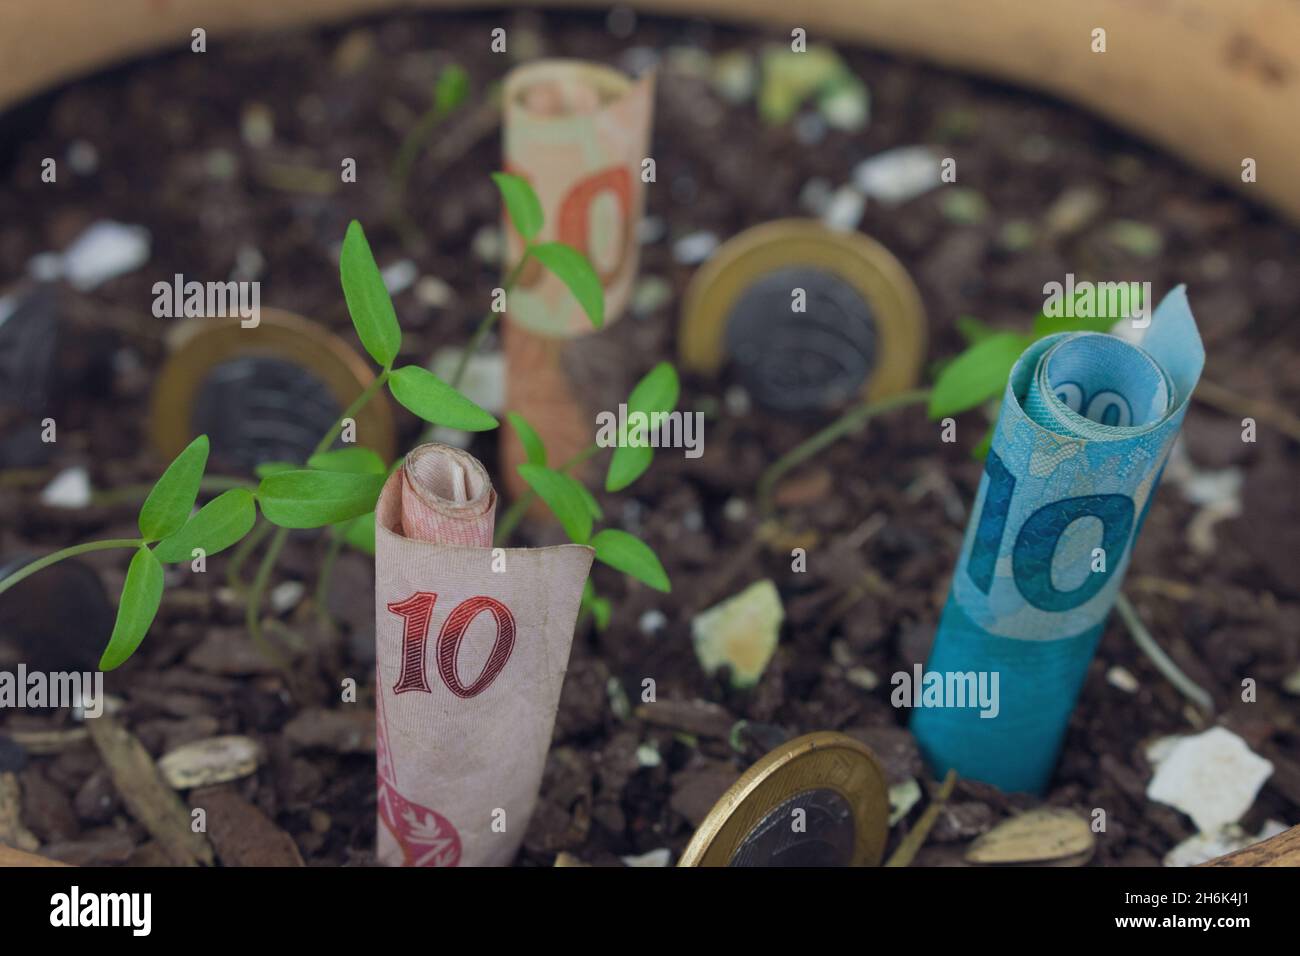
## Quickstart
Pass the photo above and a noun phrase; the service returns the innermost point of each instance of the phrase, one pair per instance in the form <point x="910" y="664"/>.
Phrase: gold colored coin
<point x="817" y="800"/>
<point x="859" y="331"/>
<point x="266" y="393"/>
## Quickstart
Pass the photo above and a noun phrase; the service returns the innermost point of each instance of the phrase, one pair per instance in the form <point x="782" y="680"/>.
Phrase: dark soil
<point x="882" y="513"/>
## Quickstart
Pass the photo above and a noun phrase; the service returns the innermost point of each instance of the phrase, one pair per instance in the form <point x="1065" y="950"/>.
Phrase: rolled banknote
<point x="472" y="645"/>
<point x="1086" y="425"/>
<point x="579" y="133"/>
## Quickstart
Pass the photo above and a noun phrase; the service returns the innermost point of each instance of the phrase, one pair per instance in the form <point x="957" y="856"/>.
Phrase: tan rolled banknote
<point x="472" y="645"/>
<point x="579" y="133"/>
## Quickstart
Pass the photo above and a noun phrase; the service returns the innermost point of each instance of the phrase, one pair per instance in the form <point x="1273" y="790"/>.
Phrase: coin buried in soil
<point x="60" y="618"/>
<point x="817" y="800"/>
<point x="261" y="394"/>
<point x="807" y="318"/>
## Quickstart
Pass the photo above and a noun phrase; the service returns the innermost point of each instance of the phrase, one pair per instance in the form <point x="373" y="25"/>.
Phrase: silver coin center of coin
<point x="823" y="835"/>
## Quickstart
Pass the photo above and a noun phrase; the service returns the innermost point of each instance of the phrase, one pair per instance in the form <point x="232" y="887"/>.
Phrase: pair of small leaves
<point x="656" y="393"/>
<point x="165" y="518"/>
<point x="375" y="320"/>
<point x="568" y="264"/>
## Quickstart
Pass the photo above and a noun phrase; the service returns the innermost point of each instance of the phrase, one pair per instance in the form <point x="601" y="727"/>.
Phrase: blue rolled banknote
<point x="1086" y="425"/>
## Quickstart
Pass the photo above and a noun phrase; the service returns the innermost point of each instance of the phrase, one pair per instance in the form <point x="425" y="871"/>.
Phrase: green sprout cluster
<point x="339" y="487"/>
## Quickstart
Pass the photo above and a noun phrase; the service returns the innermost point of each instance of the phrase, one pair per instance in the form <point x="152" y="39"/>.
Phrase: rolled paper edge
<point x="428" y="516"/>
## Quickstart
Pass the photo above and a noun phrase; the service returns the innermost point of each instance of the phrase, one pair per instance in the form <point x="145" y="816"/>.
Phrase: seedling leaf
<point x="632" y="556"/>
<point x="564" y="496"/>
<point x="172" y="497"/>
<point x="312" y="499"/>
<point x="572" y="268"/>
<point x="219" y="524"/>
<point x="429" y="397"/>
<point x="141" y="595"/>
<point x="522" y="204"/>
<point x="368" y="300"/>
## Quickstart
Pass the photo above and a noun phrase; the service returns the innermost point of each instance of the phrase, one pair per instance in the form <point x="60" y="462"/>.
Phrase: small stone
<point x="1136" y="238"/>
<point x="652" y="622"/>
<point x="693" y="520"/>
<point x="898" y="175"/>
<point x="844" y="212"/>
<point x="1044" y="835"/>
<point x="740" y="633"/>
<point x="1017" y="235"/>
<point x="810" y="129"/>
<point x="737" y="402"/>
<point x="815" y="196"/>
<point x="205" y="762"/>
<point x="1073" y="210"/>
<point x="69" y="489"/>
<point x="1291" y="683"/>
<point x="735" y="76"/>
<point x="618" y="700"/>
<point x="902" y="798"/>
<point x="485" y="376"/>
<point x="1213" y="777"/>
<point x="1122" y="679"/>
<point x="257" y="125"/>
<point x="83" y="157"/>
<point x="660" y="857"/>
<point x="647" y="755"/>
<point x="249" y="264"/>
<point x="399" y="276"/>
<point x="650" y="295"/>
<point x="221" y="165"/>
<point x="863" y="677"/>
<point x="735" y="510"/>
<point x="964" y="206"/>
<point x="433" y="292"/>
<point x="650" y="230"/>
<point x="1203" y="847"/>
<point x="487" y="245"/>
<point x="105" y="251"/>
<point x="694" y="248"/>
<point x="285" y="596"/>
<point x="846" y="105"/>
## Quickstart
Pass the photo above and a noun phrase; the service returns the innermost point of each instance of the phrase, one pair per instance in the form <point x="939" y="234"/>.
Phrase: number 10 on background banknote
<point x="1086" y="425"/>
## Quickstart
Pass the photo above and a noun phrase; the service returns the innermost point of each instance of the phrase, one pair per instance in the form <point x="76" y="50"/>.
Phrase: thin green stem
<point x="519" y="507"/>
<point x="41" y="564"/>
<point x="850" y="421"/>
<point x="1162" y="661"/>
<point x="351" y="411"/>
<point x="245" y="549"/>
<point x="488" y="321"/>
<point x="253" y="610"/>
<point x="327" y="567"/>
